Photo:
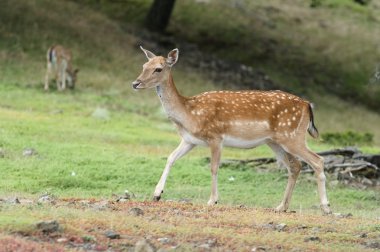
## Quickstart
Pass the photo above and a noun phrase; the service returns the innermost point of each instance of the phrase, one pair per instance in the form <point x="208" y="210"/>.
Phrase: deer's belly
<point x="231" y="141"/>
<point x="189" y="138"/>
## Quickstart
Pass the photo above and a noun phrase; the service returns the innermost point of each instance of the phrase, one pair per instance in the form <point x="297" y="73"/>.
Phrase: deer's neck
<point x="172" y="101"/>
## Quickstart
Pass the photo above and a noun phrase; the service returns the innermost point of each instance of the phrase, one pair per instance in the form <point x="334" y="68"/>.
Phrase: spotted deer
<point x="59" y="65"/>
<point x="241" y="119"/>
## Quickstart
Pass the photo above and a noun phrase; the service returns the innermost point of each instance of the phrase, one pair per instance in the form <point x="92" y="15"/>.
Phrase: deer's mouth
<point x="136" y="84"/>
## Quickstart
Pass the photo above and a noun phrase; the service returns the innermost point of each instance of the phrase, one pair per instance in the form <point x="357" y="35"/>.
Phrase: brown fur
<point x="59" y="65"/>
<point x="243" y="119"/>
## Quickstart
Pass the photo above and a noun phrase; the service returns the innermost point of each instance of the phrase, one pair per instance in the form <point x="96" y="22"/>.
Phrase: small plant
<point x="348" y="138"/>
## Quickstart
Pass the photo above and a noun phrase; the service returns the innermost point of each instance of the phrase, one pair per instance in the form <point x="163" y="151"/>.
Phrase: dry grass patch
<point x="188" y="226"/>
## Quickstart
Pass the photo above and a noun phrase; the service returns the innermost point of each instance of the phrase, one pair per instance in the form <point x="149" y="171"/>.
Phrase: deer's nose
<point x="136" y="83"/>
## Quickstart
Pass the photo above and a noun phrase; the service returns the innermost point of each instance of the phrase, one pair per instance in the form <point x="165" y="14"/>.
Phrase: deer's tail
<point x="312" y="129"/>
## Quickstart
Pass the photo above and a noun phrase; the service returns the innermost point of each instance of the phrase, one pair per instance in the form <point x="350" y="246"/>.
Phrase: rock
<point x="373" y="244"/>
<point x="62" y="240"/>
<point x="280" y="227"/>
<point x="122" y="199"/>
<point x="367" y="182"/>
<point x="126" y="197"/>
<point x="101" y="114"/>
<point x="212" y="242"/>
<point x="315" y="229"/>
<point x="269" y="225"/>
<point x="48" y="226"/>
<point x="331" y="230"/>
<point x="312" y="238"/>
<point x="27" y="152"/>
<point x="144" y="246"/>
<point x="163" y="240"/>
<point x="205" y="246"/>
<point x="340" y="215"/>
<point x="46" y="198"/>
<point x="101" y="205"/>
<point x="112" y="234"/>
<point x="259" y="248"/>
<point x="303" y="226"/>
<point x="208" y="245"/>
<point x="136" y="211"/>
<point x="14" y="201"/>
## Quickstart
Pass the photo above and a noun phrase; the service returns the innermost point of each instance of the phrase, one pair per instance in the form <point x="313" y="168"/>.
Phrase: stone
<point x="340" y="215"/>
<point x="280" y="227"/>
<point x="46" y="198"/>
<point x="367" y="182"/>
<point x="62" y="240"/>
<point x="27" y="152"/>
<point x="136" y="211"/>
<point x="163" y="240"/>
<point x="312" y="238"/>
<point x="112" y="234"/>
<point x="101" y="114"/>
<point x="14" y="201"/>
<point x="48" y="226"/>
<point x="373" y="244"/>
<point x="258" y="248"/>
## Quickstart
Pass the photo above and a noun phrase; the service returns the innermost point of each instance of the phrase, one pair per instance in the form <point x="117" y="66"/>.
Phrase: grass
<point x="186" y="227"/>
<point x="81" y="156"/>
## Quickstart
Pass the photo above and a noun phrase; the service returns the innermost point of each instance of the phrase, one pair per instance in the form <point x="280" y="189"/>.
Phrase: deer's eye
<point x="157" y="70"/>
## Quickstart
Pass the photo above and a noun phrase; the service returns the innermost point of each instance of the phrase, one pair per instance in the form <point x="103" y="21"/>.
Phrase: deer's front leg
<point x="63" y="84"/>
<point x="46" y="87"/>
<point x="216" y="150"/>
<point x="181" y="150"/>
<point x="58" y="79"/>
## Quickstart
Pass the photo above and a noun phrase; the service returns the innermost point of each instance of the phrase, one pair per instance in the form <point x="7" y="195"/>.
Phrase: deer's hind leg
<point x="300" y="150"/>
<point x="294" y="167"/>
<point x="48" y="71"/>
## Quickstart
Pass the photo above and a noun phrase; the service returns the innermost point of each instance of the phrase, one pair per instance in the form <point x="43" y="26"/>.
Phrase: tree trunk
<point x="159" y="15"/>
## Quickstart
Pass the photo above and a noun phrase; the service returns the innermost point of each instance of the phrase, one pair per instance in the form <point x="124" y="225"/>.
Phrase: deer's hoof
<point x="280" y="209"/>
<point x="212" y="202"/>
<point x="326" y="209"/>
<point x="156" y="198"/>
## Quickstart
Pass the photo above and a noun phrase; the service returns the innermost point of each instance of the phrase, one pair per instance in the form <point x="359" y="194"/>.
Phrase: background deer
<point x="59" y="65"/>
<point x="241" y="119"/>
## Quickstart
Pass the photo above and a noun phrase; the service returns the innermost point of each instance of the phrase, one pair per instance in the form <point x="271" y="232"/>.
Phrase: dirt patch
<point x="179" y="226"/>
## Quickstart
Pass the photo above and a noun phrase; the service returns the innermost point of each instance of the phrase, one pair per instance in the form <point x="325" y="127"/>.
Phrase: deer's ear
<point x="172" y="57"/>
<point x="148" y="54"/>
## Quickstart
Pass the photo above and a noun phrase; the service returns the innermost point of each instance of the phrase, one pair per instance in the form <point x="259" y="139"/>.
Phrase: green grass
<point x="127" y="151"/>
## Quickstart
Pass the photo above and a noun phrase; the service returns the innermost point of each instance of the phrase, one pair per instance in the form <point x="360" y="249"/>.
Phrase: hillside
<point x="332" y="46"/>
<point x="80" y="150"/>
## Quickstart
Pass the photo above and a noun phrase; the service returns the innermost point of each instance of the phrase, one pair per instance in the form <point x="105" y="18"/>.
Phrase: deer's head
<point x="72" y="77"/>
<point x="156" y="70"/>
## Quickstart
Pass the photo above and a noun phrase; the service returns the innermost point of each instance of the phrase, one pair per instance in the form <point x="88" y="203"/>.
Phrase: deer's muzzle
<point x="135" y="84"/>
